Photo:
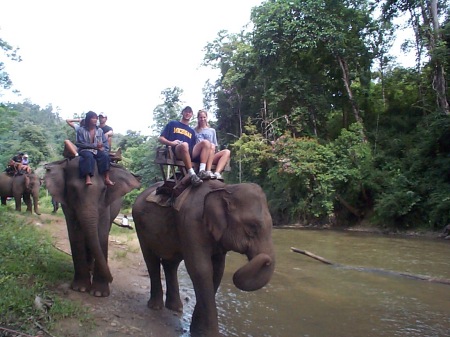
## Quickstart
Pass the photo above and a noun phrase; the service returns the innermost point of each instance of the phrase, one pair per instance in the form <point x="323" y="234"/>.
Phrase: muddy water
<point x="308" y="298"/>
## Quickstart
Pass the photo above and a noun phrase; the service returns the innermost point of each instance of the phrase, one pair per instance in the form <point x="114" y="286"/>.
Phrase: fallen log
<point x="314" y="256"/>
<point x="373" y="270"/>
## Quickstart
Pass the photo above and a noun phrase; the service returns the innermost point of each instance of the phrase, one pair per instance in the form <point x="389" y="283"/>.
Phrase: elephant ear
<point x="54" y="180"/>
<point x="124" y="180"/>
<point x="218" y="204"/>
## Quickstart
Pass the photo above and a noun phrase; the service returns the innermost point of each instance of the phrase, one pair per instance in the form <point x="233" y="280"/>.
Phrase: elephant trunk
<point x="36" y="202"/>
<point x="93" y="242"/>
<point x="255" y="274"/>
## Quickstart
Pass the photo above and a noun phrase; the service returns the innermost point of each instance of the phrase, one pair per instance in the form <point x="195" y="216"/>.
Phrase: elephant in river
<point x="200" y="228"/>
<point x="23" y="185"/>
<point x="89" y="211"/>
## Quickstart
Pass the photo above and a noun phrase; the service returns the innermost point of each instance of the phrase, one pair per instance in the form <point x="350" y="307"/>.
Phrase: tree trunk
<point x="347" y="84"/>
<point x="349" y="207"/>
<point x="439" y="83"/>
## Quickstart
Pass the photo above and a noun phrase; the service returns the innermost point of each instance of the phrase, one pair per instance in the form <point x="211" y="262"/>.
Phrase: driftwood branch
<point x="373" y="270"/>
<point x="305" y="252"/>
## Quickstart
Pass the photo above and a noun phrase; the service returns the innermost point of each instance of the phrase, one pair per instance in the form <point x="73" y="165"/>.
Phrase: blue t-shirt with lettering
<point x="175" y="130"/>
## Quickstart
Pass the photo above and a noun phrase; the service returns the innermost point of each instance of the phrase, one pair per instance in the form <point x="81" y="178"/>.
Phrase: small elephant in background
<point x="89" y="211"/>
<point x="204" y="224"/>
<point x="20" y="186"/>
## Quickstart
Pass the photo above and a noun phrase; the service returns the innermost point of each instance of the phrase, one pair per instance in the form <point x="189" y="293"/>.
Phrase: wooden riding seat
<point x="172" y="169"/>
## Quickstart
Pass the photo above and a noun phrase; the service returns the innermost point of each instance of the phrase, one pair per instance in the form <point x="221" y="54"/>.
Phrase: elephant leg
<point x="100" y="285"/>
<point x="80" y="256"/>
<point x="156" y="301"/>
<point x="27" y="200"/>
<point x="18" y="201"/>
<point x="173" y="300"/>
<point x="204" y="318"/>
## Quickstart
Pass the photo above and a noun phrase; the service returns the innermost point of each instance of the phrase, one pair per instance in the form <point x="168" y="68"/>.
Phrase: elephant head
<point x="238" y="217"/>
<point x="87" y="209"/>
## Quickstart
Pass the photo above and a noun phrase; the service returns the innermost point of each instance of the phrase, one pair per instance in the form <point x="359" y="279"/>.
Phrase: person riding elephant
<point x="26" y="164"/>
<point x="93" y="148"/>
<point x="200" y="228"/>
<point x="89" y="211"/>
<point x="24" y="186"/>
<point x="14" y="166"/>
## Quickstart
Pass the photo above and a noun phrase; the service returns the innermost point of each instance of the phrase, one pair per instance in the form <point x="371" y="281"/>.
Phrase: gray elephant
<point x="24" y="186"/>
<point x="89" y="211"/>
<point x="203" y="225"/>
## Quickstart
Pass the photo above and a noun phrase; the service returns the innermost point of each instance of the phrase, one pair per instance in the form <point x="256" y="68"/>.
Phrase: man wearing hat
<point x="107" y="130"/>
<point x="25" y="164"/>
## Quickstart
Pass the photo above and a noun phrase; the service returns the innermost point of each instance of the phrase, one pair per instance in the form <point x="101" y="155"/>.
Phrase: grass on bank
<point x="30" y="268"/>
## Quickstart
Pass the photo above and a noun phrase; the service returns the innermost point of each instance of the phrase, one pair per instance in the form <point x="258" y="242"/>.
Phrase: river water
<point x="307" y="298"/>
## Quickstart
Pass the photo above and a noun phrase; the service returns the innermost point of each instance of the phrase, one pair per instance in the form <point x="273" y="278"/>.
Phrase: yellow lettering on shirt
<point x="183" y="132"/>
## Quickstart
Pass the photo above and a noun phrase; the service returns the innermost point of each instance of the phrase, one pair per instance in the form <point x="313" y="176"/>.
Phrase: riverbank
<point x="372" y="230"/>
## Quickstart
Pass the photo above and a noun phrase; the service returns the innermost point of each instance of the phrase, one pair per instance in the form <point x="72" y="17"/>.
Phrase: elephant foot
<point x="174" y="305"/>
<point x="100" y="289"/>
<point x="155" y="304"/>
<point x="81" y="286"/>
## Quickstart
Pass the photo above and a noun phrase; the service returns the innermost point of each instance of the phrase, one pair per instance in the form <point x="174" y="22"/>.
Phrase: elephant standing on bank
<point x="23" y="185"/>
<point x="89" y="211"/>
<point x="203" y="225"/>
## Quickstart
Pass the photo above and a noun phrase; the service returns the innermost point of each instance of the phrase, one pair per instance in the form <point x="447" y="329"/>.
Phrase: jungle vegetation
<point x="313" y="109"/>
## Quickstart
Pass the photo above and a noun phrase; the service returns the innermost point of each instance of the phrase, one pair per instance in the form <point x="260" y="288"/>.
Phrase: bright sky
<point x="114" y="56"/>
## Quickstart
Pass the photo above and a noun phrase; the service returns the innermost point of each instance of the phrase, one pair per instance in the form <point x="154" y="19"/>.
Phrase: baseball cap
<point x="102" y="115"/>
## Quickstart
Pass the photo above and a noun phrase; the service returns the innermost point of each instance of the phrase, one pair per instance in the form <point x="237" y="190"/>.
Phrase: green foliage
<point x="30" y="268"/>
<point x="11" y="53"/>
<point x="132" y="139"/>
<point x="301" y="182"/>
<point x="254" y="154"/>
<point x="142" y="163"/>
<point x="169" y="110"/>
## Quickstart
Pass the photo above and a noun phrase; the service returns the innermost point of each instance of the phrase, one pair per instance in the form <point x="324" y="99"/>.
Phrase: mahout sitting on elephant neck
<point x="93" y="147"/>
<point x="89" y="213"/>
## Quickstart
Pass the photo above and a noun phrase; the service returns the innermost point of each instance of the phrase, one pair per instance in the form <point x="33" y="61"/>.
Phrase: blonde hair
<point x="197" y="128"/>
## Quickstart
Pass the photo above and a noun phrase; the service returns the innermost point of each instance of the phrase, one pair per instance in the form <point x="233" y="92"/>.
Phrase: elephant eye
<point x="252" y="230"/>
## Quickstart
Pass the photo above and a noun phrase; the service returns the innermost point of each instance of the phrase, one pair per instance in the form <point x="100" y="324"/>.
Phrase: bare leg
<point x="108" y="181"/>
<point x="70" y="150"/>
<point x="204" y="150"/>
<point x="182" y="152"/>
<point x="221" y="159"/>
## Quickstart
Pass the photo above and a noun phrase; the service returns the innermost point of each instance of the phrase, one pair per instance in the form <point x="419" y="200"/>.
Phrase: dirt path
<point x="124" y="312"/>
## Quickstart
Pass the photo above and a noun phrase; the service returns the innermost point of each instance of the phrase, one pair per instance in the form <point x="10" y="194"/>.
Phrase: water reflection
<point x="308" y="298"/>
